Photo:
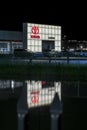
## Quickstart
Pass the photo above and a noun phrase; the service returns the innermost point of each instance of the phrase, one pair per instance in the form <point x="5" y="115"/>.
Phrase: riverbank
<point x="43" y="71"/>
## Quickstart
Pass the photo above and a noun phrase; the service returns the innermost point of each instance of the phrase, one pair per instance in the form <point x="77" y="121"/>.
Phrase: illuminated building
<point x="40" y="38"/>
<point x="75" y="45"/>
<point x="35" y="38"/>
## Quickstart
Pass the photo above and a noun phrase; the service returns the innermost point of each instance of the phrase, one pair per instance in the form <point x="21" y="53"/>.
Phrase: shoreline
<point x="61" y="72"/>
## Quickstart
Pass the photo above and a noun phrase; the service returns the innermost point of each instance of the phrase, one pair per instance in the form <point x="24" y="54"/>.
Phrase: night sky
<point x="71" y="17"/>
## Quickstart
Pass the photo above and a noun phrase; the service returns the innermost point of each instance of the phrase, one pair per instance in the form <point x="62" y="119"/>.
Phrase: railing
<point x="25" y="58"/>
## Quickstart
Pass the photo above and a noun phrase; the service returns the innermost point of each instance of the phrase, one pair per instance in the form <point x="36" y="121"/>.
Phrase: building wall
<point x="11" y="35"/>
<point x="31" y="38"/>
<point x="36" y="33"/>
<point x="10" y="40"/>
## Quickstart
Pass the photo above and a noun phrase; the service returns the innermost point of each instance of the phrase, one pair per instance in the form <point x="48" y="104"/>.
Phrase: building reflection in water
<point x="41" y="93"/>
<point x="4" y="84"/>
<point x="10" y="89"/>
<point x="36" y="94"/>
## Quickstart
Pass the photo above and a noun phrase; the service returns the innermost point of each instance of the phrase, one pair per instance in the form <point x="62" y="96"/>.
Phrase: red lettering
<point x="35" y="36"/>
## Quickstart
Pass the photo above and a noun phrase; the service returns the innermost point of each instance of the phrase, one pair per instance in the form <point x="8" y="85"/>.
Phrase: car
<point x="38" y="54"/>
<point x="53" y="53"/>
<point x="83" y="53"/>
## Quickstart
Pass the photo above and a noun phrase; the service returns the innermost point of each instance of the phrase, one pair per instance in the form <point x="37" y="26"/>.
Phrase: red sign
<point x="35" y="92"/>
<point x="35" y="32"/>
<point x="35" y="36"/>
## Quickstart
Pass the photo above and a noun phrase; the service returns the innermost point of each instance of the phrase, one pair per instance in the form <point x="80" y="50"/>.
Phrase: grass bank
<point x="61" y="72"/>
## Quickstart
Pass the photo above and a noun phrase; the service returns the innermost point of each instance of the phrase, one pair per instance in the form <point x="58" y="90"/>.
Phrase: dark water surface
<point x="34" y="97"/>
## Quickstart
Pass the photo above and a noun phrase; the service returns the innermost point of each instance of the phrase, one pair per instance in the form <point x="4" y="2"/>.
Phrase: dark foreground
<point x="74" y="116"/>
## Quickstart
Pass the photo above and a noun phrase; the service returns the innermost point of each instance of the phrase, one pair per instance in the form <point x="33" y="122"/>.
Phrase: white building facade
<point x="40" y="38"/>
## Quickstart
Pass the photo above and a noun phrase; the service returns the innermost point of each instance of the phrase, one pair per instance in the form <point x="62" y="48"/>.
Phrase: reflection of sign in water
<point x="34" y="97"/>
<point x="42" y="92"/>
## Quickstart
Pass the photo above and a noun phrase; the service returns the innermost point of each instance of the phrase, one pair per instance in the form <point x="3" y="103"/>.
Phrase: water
<point x="27" y="104"/>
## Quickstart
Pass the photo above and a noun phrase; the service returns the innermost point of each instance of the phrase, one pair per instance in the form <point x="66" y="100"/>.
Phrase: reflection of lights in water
<point x="4" y="84"/>
<point x="12" y="84"/>
<point x="7" y="84"/>
<point x="37" y="95"/>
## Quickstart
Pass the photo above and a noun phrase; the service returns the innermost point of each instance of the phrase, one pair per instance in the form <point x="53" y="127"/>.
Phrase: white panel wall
<point x="45" y="32"/>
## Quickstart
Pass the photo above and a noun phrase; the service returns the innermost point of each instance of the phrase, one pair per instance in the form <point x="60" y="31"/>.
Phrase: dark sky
<point x="71" y="16"/>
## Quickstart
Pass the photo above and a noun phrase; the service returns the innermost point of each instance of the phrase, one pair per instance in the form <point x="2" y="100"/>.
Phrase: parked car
<point x="83" y="53"/>
<point x="53" y="53"/>
<point x="38" y="54"/>
<point x="22" y="53"/>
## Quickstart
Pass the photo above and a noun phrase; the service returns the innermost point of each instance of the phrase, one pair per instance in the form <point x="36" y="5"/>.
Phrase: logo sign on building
<point x="35" y="32"/>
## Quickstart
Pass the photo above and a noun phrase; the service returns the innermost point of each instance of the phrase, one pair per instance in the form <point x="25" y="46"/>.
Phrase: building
<point x="41" y="38"/>
<point x="34" y="38"/>
<point x="38" y="38"/>
<point x="10" y="40"/>
<point x="73" y="45"/>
